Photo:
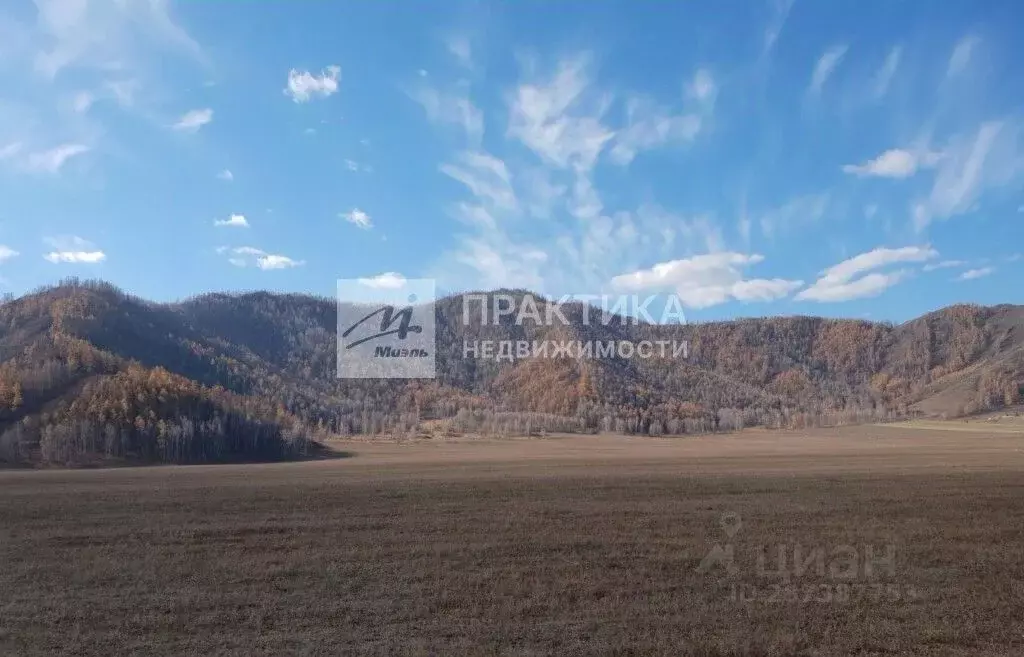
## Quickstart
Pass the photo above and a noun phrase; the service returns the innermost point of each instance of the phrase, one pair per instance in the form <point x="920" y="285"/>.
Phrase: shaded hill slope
<point x="87" y="372"/>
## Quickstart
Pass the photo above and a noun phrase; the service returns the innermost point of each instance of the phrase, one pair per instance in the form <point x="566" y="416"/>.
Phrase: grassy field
<point x="894" y="541"/>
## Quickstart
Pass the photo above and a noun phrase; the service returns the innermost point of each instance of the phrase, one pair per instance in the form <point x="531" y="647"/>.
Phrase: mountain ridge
<point x="88" y="372"/>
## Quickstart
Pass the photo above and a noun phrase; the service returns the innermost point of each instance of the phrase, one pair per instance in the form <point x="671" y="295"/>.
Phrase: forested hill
<point x="89" y="374"/>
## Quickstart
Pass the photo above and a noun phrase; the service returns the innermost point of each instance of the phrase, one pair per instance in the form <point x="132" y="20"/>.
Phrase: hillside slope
<point x="89" y="373"/>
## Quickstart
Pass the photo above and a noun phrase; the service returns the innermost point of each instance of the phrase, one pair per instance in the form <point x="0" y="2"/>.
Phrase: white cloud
<point x="454" y="108"/>
<point x="245" y="256"/>
<point x="972" y="165"/>
<point x="234" y="221"/>
<point x="888" y="71"/>
<point x="352" y="165"/>
<point x="386" y="281"/>
<point x="961" y="55"/>
<point x="461" y="49"/>
<point x="69" y="249"/>
<point x="707" y="280"/>
<point x="945" y="264"/>
<point x="972" y="274"/>
<point x="780" y="11"/>
<point x="303" y="86"/>
<point x="702" y="88"/>
<point x="552" y="119"/>
<point x="226" y="175"/>
<point x="799" y="211"/>
<point x="104" y="35"/>
<point x="850" y="279"/>
<point x="486" y="176"/>
<point x="10" y="150"/>
<point x="357" y="217"/>
<point x="6" y="253"/>
<point x="76" y="257"/>
<point x="51" y="161"/>
<point x="649" y="126"/>
<point x="82" y="101"/>
<point x="826" y="65"/>
<point x="894" y="163"/>
<point x="192" y="120"/>
<point x="268" y="262"/>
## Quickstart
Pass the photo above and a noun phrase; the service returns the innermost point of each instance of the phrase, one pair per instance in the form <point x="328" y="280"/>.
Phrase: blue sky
<point x="858" y="159"/>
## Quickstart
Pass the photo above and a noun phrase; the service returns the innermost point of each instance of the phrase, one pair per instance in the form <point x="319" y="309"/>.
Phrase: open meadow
<point x="876" y="540"/>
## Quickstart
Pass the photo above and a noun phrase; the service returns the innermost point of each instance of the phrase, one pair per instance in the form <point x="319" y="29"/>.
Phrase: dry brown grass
<point x="563" y="546"/>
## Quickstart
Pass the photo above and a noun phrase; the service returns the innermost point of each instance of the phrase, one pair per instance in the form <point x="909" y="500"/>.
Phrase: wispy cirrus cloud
<point x="485" y="176"/>
<point x="960" y="58"/>
<point x="451" y="107"/>
<point x="945" y="264"/>
<point x="972" y="274"/>
<point x="885" y="75"/>
<point x="972" y="165"/>
<point x="858" y="278"/>
<point x="825" y="67"/>
<point x="558" y="120"/>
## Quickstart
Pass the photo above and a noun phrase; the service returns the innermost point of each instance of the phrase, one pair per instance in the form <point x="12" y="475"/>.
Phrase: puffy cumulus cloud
<point x="856" y="278"/>
<point x="707" y="280"/>
<point x="387" y="281"/>
<point x="6" y="253"/>
<point x="304" y="86"/>
<point x="70" y="249"/>
<point x="234" y="221"/>
<point x="972" y="274"/>
<point x="193" y="120"/>
<point x="358" y="218"/>
<point x="250" y="256"/>
<point x="894" y="163"/>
